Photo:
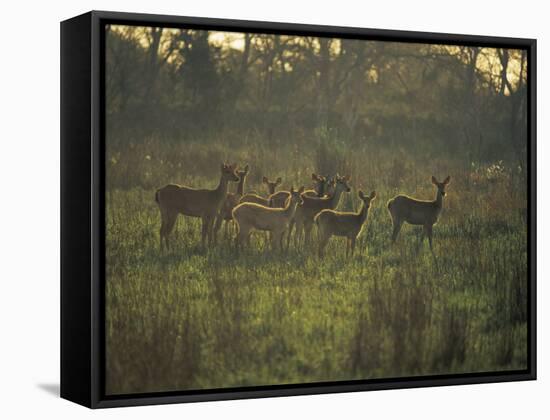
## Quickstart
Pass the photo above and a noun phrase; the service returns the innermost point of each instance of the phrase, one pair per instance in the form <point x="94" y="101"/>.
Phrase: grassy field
<point x="192" y="318"/>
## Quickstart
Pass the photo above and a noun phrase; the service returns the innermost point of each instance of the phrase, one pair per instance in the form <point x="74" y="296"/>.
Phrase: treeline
<point x="185" y="85"/>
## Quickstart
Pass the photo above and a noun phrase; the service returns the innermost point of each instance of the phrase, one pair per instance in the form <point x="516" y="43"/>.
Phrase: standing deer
<point x="231" y="201"/>
<point x="175" y="199"/>
<point x="319" y="182"/>
<point x="274" y="220"/>
<point x="346" y="224"/>
<point x="255" y="198"/>
<point x="417" y="212"/>
<point x="305" y="213"/>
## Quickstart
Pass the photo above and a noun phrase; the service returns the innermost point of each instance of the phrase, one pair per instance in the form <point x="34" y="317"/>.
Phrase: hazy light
<point x="234" y="40"/>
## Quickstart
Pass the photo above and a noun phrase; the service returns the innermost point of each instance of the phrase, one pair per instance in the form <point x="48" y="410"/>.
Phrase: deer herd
<point x="280" y="212"/>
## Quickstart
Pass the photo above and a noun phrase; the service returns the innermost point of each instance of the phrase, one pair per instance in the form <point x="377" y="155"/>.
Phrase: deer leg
<point x="396" y="228"/>
<point x="278" y="239"/>
<point x="211" y="234"/>
<point x="204" y="230"/>
<point x="289" y="232"/>
<point x="352" y="246"/>
<point x="297" y="232"/>
<point x="167" y="225"/>
<point x="428" y="230"/>
<point x="161" y="233"/>
<point x="300" y="234"/>
<point x="238" y="237"/>
<point x="162" y="230"/>
<point x="323" y="241"/>
<point x="275" y="240"/>
<point x="217" y="224"/>
<point x="307" y="233"/>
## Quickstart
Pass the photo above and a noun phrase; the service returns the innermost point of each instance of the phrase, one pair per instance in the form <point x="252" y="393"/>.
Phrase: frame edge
<point x="76" y="267"/>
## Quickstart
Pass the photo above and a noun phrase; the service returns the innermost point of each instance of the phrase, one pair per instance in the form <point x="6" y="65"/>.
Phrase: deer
<point x="231" y="201"/>
<point x="403" y="208"/>
<point x="347" y="224"/>
<point x="175" y="199"/>
<point x="255" y="198"/>
<point x="250" y="216"/>
<point x="279" y="199"/>
<point x="305" y="213"/>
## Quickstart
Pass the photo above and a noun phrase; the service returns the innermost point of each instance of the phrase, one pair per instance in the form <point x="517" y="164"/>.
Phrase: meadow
<point x="197" y="318"/>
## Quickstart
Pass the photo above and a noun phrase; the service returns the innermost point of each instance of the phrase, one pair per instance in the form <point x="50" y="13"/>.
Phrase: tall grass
<point x="194" y="318"/>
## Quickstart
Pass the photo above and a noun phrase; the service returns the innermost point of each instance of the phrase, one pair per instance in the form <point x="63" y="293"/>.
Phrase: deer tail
<point x="390" y="202"/>
<point x="157" y="196"/>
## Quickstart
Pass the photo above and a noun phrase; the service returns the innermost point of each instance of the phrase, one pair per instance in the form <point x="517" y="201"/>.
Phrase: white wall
<point x="29" y="206"/>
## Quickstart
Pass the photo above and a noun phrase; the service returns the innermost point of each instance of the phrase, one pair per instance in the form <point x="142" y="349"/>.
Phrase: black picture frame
<point x="83" y="218"/>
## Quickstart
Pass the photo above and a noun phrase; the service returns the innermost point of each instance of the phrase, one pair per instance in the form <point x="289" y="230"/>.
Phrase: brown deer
<point x="347" y="224"/>
<point x="255" y="198"/>
<point x="417" y="212"/>
<point x="305" y="213"/>
<point x="231" y="201"/>
<point x="279" y="199"/>
<point x="274" y="220"/>
<point x="175" y="199"/>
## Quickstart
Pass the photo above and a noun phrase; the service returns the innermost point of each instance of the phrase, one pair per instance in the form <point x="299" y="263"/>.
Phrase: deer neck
<point x="290" y="209"/>
<point x="321" y="190"/>
<point x="222" y="186"/>
<point x="363" y="213"/>
<point x="240" y="187"/>
<point x="438" y="199"/>
<point x="335" y="199"/>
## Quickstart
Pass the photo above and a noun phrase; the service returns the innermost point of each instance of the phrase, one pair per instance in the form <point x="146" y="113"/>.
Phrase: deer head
<point x="271" y="185"/>
<point x="296" y="196"/>
<point x="367" y="198"/>
<point x="228" y="172"/>
<point x="243" y="173"/>
<point x="441" y="185"/>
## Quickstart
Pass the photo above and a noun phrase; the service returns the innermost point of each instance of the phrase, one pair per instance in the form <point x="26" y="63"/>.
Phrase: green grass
<point x="192" y="318"/>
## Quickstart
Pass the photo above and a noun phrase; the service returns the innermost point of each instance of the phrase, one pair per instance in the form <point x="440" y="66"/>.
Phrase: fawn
<point x="274" y="220"/>
<point x="231" y="201"/>
<point x="417" y="212"/>
<point x="255" y="198"/>
<point x="346" y="224"/>
<point x="279" y="199"/>
<point x="305" y="213"/>
<point x="174" y="199"/>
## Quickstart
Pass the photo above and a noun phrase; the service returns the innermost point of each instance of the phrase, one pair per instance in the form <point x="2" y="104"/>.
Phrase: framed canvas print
<point x="255" y="209"/>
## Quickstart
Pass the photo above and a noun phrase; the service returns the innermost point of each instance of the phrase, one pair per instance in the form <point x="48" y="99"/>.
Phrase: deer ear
<point x="279" y="180"/>
<point x="361" y="195"/>
<point x="314" y="177"/>
<point x="264" y="180"/>
<point x="291" y="189"/>
<point x="223" y="165"/>
<point x="434" y="180"/>
<point x="447" y="180"/>
<point x="372" y="195"/>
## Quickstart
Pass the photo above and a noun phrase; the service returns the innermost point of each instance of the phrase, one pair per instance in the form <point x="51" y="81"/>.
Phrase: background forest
<point x="180" y="102"/>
